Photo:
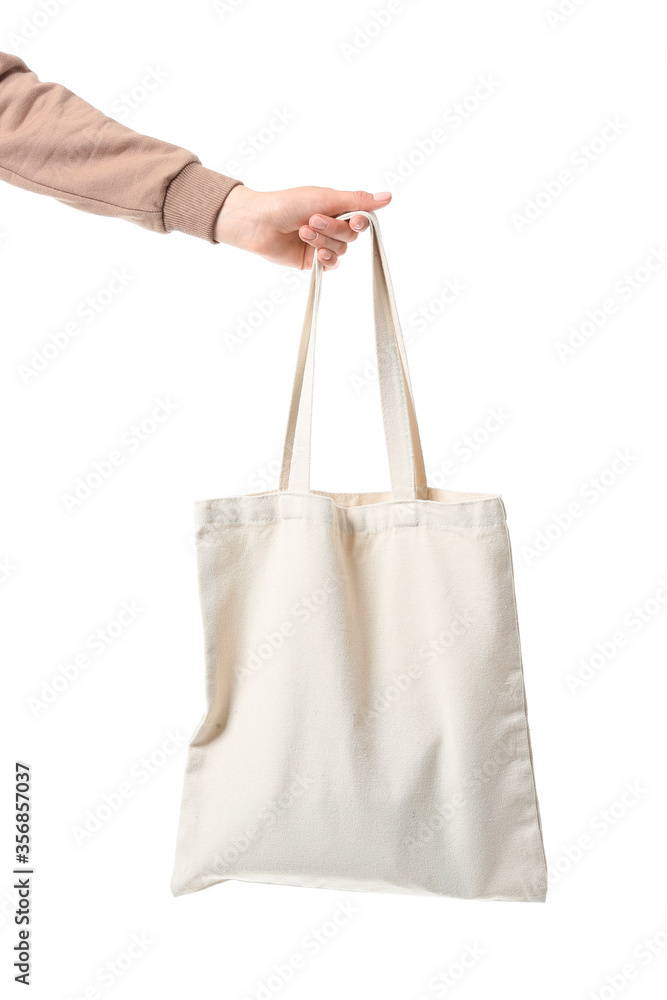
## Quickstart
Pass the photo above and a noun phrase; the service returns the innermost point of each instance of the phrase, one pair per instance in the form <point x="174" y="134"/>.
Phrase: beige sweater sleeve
<point x="54" y="143"/>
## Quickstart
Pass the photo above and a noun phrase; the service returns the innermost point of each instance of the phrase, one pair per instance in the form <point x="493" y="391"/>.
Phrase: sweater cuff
<point x="193" y="200"/>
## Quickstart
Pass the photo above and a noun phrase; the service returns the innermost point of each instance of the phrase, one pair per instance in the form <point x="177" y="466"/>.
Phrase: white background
<point x="356" y="111"/>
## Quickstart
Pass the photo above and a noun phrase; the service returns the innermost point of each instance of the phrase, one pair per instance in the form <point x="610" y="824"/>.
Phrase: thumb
<point x="340" y="202"/>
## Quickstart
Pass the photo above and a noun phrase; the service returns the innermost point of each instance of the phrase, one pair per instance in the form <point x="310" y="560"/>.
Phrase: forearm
<point x="53" y="142"/>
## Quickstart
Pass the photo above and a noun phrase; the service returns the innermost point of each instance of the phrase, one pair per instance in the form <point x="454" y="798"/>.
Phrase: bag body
<point x="365" y="723"/>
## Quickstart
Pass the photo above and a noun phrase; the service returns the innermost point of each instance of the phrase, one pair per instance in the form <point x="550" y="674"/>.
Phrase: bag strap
<point x="406" y="462"/>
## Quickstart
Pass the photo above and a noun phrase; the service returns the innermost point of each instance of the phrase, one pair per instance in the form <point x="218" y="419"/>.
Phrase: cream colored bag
<point x="366" y="724"/>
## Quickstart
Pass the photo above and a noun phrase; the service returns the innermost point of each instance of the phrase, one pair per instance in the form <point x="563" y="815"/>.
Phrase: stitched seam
<point x="353" y="530"/>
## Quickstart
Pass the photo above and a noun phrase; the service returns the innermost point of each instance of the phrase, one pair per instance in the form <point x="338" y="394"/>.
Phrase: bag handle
<point x="406" y="462"/>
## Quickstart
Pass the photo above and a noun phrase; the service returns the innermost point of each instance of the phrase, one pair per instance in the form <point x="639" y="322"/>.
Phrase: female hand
<point x="288" y="227"/>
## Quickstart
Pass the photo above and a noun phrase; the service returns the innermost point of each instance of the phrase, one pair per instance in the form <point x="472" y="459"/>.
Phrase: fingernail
<point x="359" y="224"/>
<point x="319" y="222"/>
<point x="382" y="195"/>
<point x="325" y="255"/>
<point x="308" y="234"/>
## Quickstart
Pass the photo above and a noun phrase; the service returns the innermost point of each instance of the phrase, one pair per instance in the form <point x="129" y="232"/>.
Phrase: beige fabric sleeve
<point x="54" y="143"/>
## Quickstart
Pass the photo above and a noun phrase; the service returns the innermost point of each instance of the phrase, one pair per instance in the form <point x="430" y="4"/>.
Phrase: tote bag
<point x="365" y="724"/>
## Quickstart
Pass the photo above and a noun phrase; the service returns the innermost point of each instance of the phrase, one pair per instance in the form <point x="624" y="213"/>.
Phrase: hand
<point x="288" y="227"/>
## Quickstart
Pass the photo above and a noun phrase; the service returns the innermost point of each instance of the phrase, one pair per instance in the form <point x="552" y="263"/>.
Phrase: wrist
<point x="237" y="221"/>
<point x="193" y="198"/>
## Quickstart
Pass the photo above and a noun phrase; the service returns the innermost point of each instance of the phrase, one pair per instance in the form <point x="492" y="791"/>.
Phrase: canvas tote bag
<point x="365" y="725"/>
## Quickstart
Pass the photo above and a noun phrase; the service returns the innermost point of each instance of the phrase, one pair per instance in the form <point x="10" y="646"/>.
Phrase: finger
<point x="358" y="223"/>
<point x="328" y="259"/>
<point x="333" y="228"/>
<point x="315" y="239"/>
<point x="338" y="202"/>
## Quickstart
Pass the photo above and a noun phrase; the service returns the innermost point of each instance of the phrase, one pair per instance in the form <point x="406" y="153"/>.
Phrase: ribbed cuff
<point x="193" y="200"/>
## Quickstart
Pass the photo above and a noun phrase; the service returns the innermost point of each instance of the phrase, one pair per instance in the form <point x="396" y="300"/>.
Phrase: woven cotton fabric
<point x="365" y="725"/>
